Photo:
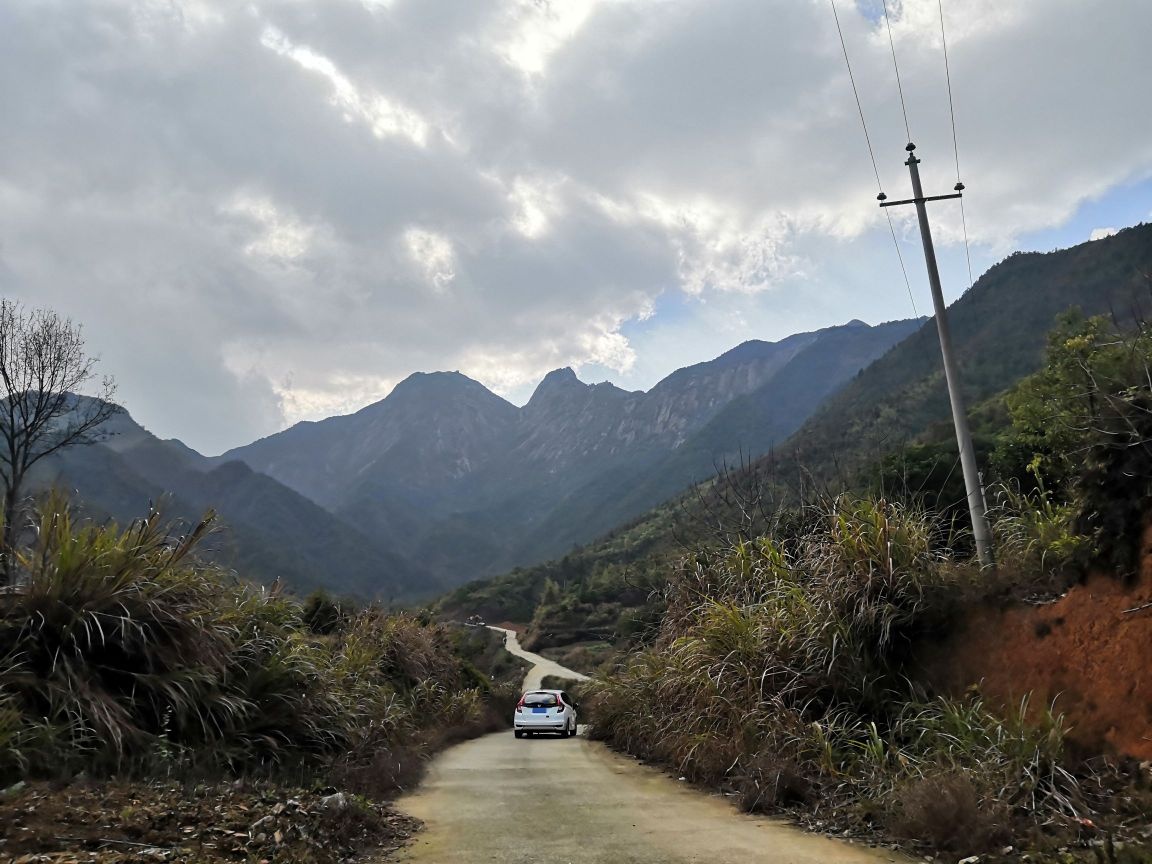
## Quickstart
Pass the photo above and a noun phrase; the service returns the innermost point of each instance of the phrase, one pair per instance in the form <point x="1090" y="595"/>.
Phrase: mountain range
<point x="443" y="481"/>
<point x="267" y="532"/>
<point x="456" y="478"/>
<point x="1000" y="328"/>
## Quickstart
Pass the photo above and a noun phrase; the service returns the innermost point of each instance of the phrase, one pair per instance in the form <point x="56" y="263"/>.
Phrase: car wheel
<point x="572" y="731"/>
<point x="518" y="734"/>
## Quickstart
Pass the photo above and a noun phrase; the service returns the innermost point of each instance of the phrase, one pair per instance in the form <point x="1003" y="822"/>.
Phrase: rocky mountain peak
<point x="556" y="384"/>
<point x="438" y="383"/>
<point x="437" y="393"/>
<point x="443" y="454"/>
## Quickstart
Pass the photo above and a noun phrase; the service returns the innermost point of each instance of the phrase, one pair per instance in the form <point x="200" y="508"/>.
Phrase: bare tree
<point x="43" y="368"/>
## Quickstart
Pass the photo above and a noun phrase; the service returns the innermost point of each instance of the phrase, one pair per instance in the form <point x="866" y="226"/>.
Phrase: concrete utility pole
<point x="972" y="485"/>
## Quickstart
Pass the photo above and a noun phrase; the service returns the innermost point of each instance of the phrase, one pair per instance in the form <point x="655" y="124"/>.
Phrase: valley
<point x="758" y="568"/>
<point x="510" y="430"/>
<point x="444" y="482"/>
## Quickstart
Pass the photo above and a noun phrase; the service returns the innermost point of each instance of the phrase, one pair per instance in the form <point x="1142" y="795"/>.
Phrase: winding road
<point x="573" y="801"/>
<point x="542" y="667"/>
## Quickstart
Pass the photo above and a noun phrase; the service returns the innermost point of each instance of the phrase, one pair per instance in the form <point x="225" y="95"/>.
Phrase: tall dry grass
<point x="780" y="672"/>
<point x="122" y="652"/>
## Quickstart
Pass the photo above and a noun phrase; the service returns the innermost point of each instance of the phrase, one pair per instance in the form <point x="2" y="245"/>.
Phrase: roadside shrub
<point x="274" y="700"/>
<point x="22" y="741"/>
<point x="772" y="783"/>
<point x="123" y="653"/>
<point x="1115" y="485"/>
<point x="1036" y="535"/>
<point x="322" y="614"/>
<point x="111" y="632"/>
<point x="948" y="812"/>
<point x="1087" y="417"/>
<point x="779" y="673"/>
<point x="1017" y="755"/>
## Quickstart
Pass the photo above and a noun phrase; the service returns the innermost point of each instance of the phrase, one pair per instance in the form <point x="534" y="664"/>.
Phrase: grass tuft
<point x="779" y="672"/>
<point x="124" y="654"/>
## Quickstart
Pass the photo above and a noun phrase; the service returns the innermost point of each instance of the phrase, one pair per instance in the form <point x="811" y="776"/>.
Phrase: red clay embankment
<point x="1085" y="652"/>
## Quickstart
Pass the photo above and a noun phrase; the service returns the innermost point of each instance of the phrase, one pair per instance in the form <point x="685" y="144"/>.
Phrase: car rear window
<point x="547" y="700"/>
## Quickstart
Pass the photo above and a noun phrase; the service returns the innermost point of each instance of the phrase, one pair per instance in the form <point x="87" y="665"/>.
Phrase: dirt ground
<point x="132" y="823"/>
<point x="1086" y="654"/>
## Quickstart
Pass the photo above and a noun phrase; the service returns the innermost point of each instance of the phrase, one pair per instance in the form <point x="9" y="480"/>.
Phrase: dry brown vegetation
<point x="781" y="672"/>
<point x="122" y="655"/>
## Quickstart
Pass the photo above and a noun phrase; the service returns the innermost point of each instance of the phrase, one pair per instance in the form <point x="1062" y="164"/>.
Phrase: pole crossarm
<point x="921" y="200"/>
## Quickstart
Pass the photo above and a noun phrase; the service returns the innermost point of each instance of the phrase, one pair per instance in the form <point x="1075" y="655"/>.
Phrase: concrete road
<point x="541" y="666"/>
<point x="573" y="801"/>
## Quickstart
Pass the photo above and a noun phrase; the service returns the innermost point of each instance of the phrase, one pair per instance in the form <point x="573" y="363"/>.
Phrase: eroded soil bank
<point x="1085" y="654"/>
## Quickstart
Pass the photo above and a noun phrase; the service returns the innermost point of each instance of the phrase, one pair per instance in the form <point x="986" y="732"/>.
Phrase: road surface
<point x="541" y="665"/>
<point x="573" y="801"/>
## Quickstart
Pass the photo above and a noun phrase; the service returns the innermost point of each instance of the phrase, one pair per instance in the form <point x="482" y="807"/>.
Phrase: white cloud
<point x="539" y="28"/>
<point x="340" y="394"/>
<point x="278" y="236"/>
<point x="288" y="206"/>
<point x="433" y="254"/>
<point x="383" y="116"/>
<point x="536" y="206"/>
<point x="1101" y="233"/>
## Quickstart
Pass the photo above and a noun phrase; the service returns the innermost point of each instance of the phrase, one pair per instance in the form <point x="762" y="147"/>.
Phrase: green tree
<point x="1055" y="411"/>
<point x="551" y="593"/>
<point x="1083" y="426"/>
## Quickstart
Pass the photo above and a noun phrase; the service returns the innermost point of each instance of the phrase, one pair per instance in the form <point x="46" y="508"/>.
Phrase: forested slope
<point x="1000" y="327"/>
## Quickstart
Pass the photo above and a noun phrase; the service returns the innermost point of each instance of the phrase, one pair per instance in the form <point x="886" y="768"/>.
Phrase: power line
<point x="896" y="66"/>
<point x="903" y="269"/>
<point x="856" y="93"/>
<point x="948" y="78"/>
<point x="872" y="156"/>
<point x="955" y="145"/>
<point x="967" y="254"/>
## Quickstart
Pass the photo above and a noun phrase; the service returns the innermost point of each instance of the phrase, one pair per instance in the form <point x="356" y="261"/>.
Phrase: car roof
<point x="526" y="692"/>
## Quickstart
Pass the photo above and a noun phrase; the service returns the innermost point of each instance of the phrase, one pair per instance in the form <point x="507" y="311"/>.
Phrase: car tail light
<point x="520" y="705"/>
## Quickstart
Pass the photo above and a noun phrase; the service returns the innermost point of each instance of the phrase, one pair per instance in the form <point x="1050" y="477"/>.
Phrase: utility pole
<point x="972" y="485"/>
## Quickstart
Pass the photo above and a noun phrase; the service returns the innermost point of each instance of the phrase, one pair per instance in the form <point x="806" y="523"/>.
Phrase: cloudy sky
<point x="274" y="210"/>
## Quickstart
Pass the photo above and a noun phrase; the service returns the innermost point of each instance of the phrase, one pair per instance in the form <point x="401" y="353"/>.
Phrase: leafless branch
<point x="44" y="371"/>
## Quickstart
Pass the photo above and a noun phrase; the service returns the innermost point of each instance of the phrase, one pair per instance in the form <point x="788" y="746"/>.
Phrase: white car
<point x="545" y="711"/>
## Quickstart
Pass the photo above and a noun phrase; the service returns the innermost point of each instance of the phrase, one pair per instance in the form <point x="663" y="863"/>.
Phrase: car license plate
<point x="539" y="710"/>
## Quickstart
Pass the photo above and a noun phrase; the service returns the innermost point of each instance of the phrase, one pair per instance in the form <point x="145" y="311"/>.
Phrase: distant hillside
<point x="999" y="327"/>
<point x="748" y="426"/>
<point x="448" y="474"/>
<point x="268" y="531"/>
